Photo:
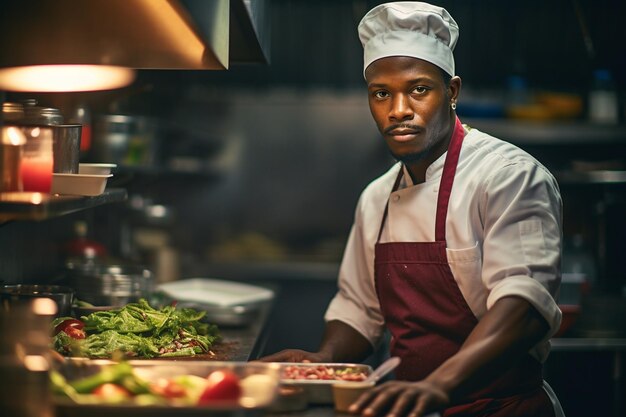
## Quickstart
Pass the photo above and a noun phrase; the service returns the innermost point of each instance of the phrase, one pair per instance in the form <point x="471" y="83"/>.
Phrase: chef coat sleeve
<point x="521" y="210"/>
<point x="356" y="302"/>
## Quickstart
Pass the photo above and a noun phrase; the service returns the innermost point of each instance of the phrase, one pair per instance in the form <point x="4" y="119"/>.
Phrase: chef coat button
<point x="396" y="197"/>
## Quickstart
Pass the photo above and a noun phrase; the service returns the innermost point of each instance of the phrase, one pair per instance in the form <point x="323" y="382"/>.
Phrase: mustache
<point x="402" y="126"/>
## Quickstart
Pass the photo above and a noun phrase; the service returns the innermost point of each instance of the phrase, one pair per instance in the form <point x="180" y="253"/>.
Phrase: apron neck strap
<point x="447" y="179"/>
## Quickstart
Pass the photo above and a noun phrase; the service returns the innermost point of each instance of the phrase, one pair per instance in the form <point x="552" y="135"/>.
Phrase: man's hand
<point x="340" y="343"/>
<point x="401" y="399"/>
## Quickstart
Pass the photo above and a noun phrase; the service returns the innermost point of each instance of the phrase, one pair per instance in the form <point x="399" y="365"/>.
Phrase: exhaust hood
<point x="140" y="34"/>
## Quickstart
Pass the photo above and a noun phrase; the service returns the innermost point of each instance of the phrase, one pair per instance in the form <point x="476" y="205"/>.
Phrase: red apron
<point x="429" y="319"/>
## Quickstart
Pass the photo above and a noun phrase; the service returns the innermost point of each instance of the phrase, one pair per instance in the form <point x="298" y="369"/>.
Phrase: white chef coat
<point x="503" y="234"/>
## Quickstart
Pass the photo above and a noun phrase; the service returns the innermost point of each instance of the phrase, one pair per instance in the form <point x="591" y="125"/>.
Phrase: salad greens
<point x="139" y="330"/>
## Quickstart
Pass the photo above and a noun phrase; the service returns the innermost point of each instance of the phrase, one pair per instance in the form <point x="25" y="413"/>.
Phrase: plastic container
<point x="95" y="169"/>
<point x="259" y="384"/>
<point x="79" y="184"/>
<point x="320" y="391"/>
<point x="346" y="393"/>
<point x="603" y="103"/>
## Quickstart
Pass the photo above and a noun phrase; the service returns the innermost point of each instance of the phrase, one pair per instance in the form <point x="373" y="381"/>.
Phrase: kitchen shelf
<point x="581" y="344"/>
<point x="557" y="133"/>
<point x="37" y="206"/>
<point x="591" y="177"/>
<point x="171" y="170"/>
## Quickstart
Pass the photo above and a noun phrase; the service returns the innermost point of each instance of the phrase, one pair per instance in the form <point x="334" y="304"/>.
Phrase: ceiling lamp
<point x="78" y="45"/>
<point x="65" y="78"/>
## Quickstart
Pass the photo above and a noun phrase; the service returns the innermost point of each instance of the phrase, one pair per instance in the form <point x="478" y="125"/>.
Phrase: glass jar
<point x="37" y="162"/>
<point x="11" y="149"/>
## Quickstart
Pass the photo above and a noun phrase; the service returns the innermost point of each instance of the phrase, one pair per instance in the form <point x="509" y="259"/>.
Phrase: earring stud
<point x="453" y="105"/>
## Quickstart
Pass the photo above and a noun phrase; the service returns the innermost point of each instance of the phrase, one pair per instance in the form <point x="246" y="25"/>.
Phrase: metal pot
<point x="66" y="148"/>
<point x="125" y="140"/>
<point x="65" y="137"/>
<point x="110" y="285"/>
<point x="16" y="293"/>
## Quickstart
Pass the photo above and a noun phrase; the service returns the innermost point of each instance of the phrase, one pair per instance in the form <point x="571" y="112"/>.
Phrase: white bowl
<point x="95" y="169"/>
<point x="79" y="184"/>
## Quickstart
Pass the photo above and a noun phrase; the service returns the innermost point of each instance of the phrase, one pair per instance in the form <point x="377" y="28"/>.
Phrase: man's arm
<point x="503" y="336"/>
<point x="340" y="343"/>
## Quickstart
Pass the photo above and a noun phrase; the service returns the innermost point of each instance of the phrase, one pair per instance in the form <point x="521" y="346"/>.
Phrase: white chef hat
<point x="409" y="28"/>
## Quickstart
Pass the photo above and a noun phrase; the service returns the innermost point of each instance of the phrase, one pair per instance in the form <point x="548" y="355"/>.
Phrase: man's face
<point x="410" y="103"/>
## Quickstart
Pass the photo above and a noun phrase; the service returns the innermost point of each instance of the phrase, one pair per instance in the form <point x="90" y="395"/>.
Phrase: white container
<point x="95" y="169"/>
<point x="215" y="292"/>
<point x="79" y="184"/>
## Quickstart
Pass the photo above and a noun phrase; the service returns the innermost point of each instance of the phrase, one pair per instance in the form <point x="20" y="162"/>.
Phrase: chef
<point x="455" y="251"/>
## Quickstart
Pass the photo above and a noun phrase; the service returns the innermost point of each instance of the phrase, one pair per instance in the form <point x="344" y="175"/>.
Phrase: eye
<point x="420" y="90"/>
<point x="380" y="94"/>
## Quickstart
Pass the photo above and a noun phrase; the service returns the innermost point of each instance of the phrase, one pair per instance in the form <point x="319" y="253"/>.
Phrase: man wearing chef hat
<point x="455" y="250"/>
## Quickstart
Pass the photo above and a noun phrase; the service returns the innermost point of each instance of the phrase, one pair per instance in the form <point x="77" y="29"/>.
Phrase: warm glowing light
<point x="36" y="198"/>
<point x="15" y="136"/>
<point x="65" y="78"/>
<point x="36" y="363"/>
<point x="44" y="306"/>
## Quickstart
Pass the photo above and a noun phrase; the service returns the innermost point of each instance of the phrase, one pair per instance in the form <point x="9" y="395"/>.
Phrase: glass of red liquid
<point x="37" y="159"/>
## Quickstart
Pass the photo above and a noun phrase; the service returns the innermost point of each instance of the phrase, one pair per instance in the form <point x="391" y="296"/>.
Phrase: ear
<point x="454" y="88"/>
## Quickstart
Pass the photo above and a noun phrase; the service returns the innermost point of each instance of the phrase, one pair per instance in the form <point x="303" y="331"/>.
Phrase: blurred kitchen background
<point x="253" y="173"/>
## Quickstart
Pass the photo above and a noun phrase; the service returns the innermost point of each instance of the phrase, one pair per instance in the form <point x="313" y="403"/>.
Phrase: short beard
<point x="410" y="158"/>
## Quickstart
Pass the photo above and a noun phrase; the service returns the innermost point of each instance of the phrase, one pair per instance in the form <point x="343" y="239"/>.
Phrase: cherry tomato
<point x="169" y="389"/>
<point x="75" y="333"/>
<point x="73" y="323"/>
<point x="221" y="386"/>
<point x="111" y="391"/>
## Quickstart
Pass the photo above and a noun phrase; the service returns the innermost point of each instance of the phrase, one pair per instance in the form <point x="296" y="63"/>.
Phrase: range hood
<point x="140" y="34"/>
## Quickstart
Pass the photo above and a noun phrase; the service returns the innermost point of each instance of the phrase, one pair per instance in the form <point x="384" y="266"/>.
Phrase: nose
<point x="401" y="109"/>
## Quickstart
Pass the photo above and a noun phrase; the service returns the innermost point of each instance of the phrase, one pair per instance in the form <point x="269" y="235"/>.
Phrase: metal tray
<point x="153" y="369"/>
<point x="67" y="409"/>
<point x="319" y="391"/>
